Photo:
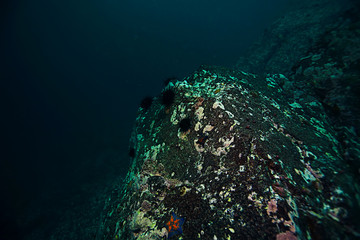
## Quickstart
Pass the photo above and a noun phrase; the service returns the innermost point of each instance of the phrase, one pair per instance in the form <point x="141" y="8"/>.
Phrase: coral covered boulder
<point x="253" y="164"/>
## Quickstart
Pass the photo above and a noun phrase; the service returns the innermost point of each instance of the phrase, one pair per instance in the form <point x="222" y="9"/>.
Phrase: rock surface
<point x="290" y="37"/>
<point x="241" y="156"/>
<point x="253" y="164"/>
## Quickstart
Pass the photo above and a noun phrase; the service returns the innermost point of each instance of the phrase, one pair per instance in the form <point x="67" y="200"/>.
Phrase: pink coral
<point x="271" y="207"/>
<point x="286" y="236"/>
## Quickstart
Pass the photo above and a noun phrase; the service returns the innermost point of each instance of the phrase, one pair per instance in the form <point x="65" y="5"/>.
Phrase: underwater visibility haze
<point x="180" y="119"/>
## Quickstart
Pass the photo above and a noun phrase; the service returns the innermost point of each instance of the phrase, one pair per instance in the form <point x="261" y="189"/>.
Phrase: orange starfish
<point x="174" y="225"/>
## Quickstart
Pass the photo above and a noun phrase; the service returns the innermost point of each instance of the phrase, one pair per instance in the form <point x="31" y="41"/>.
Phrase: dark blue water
<point x="72" y="76"/>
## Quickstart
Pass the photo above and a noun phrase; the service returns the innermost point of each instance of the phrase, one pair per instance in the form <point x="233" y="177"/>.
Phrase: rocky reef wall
<point x="250" y="163"/>
<point x="229" y="154"/>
